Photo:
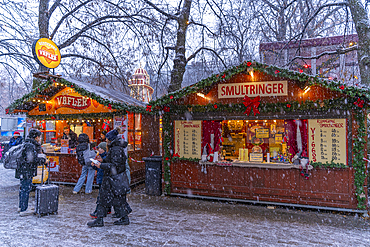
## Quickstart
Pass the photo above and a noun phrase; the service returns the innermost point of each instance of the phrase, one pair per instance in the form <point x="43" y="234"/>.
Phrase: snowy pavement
<point x="174" y="221"/>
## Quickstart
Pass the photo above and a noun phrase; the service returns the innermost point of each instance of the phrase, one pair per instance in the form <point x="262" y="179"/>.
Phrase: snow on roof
<point x="108" y="94"/>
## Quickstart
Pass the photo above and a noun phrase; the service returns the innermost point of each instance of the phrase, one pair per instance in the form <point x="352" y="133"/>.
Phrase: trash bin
<point x="153" y="175"/>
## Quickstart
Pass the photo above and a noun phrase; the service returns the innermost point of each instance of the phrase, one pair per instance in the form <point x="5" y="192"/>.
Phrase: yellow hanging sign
<point x="46" y="52"/>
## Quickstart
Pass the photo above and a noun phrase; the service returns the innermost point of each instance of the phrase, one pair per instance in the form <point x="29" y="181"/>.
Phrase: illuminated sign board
<point x="253" y="89"/>
<point x="46" y="53"/>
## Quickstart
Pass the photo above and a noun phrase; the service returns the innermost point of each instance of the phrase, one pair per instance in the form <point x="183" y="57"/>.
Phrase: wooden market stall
<point x="89" y="109"/>
<point x="247" y="134"/>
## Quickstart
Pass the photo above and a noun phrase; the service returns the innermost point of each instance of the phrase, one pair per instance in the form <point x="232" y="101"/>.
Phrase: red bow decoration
<point x="251" y="104"/>
<point x="166" y="109"/>
<point x="359" y="103"/>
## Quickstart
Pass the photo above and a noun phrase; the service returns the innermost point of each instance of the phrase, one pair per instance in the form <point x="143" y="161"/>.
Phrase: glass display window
<point x="134" y="131"/>
<point x="258" y="140"/>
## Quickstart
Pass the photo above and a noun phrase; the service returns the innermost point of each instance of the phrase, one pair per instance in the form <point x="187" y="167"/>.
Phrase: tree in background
<point x="104" y="40"/>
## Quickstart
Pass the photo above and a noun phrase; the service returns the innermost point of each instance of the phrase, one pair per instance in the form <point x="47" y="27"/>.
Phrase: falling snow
<point x="174" y="221"/>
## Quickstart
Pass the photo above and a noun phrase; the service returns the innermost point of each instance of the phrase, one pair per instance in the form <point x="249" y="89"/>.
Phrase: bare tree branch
<point x="207" y="49"/>
<point x="96" y="22"/>
<point x="66" y="16"/>
<point x="53" y="8"/>
<point x="172" y="17"/>
<point x="338" y="51"/>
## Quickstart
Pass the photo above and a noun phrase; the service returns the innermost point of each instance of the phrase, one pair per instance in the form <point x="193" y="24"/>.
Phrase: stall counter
<point x="270" y="165"/>
<point x="64" y="167"/>
<point x="279" y="185"/>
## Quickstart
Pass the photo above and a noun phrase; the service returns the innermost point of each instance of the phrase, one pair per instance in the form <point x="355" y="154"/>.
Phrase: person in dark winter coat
<point x="31" y="157"/>
<point x="87" y="169"/>
<point x="71" y="136"/>
<point x="115" y="158"/>
<point x="15" y="140"/>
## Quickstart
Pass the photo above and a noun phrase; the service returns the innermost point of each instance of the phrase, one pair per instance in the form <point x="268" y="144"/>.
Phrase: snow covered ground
<point x="173" y="221"/>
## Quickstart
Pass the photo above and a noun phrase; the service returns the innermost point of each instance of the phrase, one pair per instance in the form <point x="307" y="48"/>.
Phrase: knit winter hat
<point x="83" y="138"/>
<point x="103" y="145"/>
<point x="111" y="135"/>
<point x="16" y="133"/>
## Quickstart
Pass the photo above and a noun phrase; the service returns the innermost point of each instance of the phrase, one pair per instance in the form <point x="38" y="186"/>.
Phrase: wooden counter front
<point x="333" y="187"/>
<point x="69" y="170"/>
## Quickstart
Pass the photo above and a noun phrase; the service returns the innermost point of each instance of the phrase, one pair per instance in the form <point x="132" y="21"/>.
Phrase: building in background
<point x="140" y="88"/>
<point x="343" y="67"/>
<point x="10" y="124"/>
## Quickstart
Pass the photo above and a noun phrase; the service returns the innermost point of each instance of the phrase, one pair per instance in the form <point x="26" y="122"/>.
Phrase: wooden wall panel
<point x="325" y="187"/>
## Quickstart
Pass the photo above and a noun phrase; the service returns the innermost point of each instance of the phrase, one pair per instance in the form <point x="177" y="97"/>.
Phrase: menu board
<point x="327" y="140"/>
<point x="278" y="138"/>
<point x="256" y="157"/>
<point x="188" y="136"/>
<point x="262" y="133"/>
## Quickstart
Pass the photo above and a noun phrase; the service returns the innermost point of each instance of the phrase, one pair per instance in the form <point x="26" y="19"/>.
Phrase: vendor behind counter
<point x="70" y="136"/>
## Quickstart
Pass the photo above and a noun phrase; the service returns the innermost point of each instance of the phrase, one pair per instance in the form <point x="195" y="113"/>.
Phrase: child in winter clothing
<point x="102" y="149"/>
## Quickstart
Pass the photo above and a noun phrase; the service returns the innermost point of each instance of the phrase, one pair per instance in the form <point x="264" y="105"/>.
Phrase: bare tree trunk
<point x="43" y="31"/>
<point x="179" y="61"/>
<point x="281" y="35"/>
<point x="361" y="21"/>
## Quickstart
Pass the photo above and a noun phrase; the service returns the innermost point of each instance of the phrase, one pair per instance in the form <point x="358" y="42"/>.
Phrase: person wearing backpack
<point x="87" y="169"/>
<point x="31" y="157"/>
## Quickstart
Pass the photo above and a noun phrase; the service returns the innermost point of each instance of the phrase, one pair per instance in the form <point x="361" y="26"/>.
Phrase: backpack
<point x="87" y="155"/>
<point x="13" y="157"/>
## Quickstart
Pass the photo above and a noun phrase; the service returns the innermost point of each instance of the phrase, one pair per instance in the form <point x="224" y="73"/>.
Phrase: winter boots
<point x="96" y="223"/>
<point x="123" y="221"/>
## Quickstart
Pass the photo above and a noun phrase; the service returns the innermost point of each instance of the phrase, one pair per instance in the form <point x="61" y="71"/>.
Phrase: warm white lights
<point x="201" y="95"/>
<point x="306" y="89"/>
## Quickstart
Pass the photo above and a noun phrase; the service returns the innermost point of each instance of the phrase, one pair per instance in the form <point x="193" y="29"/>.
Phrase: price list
<point x="327" y="140"/>
<point x="188" y="139"/>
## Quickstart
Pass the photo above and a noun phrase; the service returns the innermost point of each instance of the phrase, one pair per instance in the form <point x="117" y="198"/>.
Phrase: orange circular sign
<point x="47" y="53"/>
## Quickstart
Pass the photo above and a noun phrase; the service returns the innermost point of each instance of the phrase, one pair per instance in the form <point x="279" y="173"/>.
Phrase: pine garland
<point x="167" y="144"/>
<point x="305" y="79"/>
<point x="119" y="106"/>
<point x="279" y="107"/>
<point x="84" y="116"/>
<point x="358" y="161"/>
<point x="328" y="165"/>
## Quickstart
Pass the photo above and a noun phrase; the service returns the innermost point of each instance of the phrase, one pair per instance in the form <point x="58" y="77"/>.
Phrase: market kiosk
<point x="90" y="109"/>
<point x="259" y="133"/>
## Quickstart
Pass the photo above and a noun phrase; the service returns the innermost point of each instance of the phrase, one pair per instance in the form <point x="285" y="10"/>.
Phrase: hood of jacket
<point x="33" y="141"/>
<point x="115" y="142"/>
<point x="82" y="147"/>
